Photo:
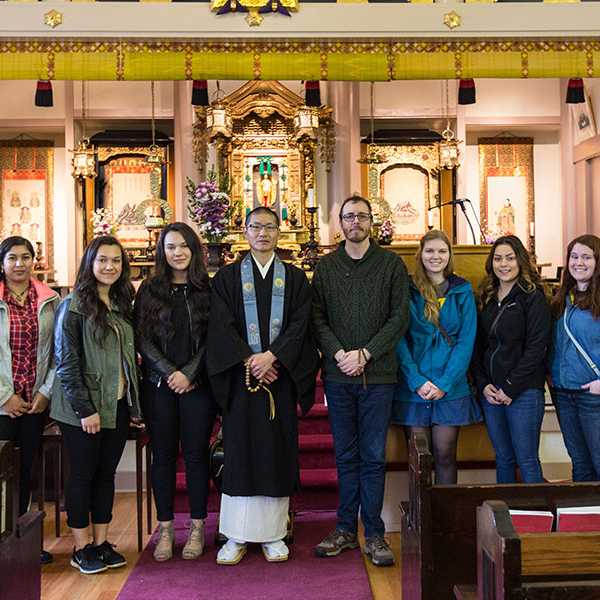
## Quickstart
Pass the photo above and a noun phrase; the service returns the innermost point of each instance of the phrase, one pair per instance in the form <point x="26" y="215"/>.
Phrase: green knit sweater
<point x="361" y="304"/>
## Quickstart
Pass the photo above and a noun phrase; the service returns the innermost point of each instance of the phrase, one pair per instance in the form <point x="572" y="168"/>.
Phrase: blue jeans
<point x="359" y="421"/>
<point x="579" y="417"/>
<point x="515" y="434"/>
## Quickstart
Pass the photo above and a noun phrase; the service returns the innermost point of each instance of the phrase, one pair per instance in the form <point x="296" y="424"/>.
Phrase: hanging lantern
<point x="218" y="121"/>
<point x="83" y="162"/>
<point x="372" y="156"/>
<point x="448" y="149"/>
<point x="306" y="123"/>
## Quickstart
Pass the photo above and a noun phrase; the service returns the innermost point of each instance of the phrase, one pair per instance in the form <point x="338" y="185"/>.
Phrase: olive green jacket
<point x="87" y="370"/>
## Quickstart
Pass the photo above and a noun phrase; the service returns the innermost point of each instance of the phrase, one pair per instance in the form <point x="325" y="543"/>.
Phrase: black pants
<point x="26" y="432"/>
<point x="170" y="419"/>
<point x="93" y="459"/>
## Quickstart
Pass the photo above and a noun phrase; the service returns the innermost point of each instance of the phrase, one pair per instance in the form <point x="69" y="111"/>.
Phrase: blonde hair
<point x="422" y="281"/>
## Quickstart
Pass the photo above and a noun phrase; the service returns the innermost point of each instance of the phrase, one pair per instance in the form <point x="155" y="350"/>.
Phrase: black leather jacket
<point x="513" y="338"/>
<point x="87" y="367"/>
<point x="155" y="364"/>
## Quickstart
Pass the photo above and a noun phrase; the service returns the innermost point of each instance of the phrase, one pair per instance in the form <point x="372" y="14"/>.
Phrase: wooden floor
<point x="60" y="581"/>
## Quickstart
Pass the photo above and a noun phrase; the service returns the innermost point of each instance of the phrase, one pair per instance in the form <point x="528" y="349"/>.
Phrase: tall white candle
<point x="532" y="228"/>
<point x="310" y="198"/>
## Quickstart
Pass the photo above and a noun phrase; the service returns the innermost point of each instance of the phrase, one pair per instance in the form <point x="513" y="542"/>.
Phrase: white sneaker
<point x="231" y="553"/>
<point x="276" y="551"/>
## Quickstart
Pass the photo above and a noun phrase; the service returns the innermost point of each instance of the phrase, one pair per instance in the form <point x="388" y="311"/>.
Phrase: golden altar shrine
<point x="266" y="142"/>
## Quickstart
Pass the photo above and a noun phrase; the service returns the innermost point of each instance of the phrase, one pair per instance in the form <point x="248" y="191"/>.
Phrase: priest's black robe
<point x="261" y="456"/>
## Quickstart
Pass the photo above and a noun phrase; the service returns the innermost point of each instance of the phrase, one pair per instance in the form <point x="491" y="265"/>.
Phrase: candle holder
<point x="310" y="257"/>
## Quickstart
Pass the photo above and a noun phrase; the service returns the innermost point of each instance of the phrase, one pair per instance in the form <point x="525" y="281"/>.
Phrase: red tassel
<point x="43" y="94"/>
<point x="200" y="93"/>
<point x="575" y="91"/>
<point x="466" y="91"/>
<point x="313" y="93"/>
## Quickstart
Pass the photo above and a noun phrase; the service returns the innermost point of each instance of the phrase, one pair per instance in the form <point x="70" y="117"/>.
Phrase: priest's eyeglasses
<point x="362" y="217"/>
<point x="255" y="228"/>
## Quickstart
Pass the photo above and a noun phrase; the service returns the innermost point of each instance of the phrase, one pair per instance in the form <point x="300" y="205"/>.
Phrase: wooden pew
<point x="536" y="566"/>
<point x="474" y="449"/>
<point x="20" y="537"/>
<point x="439" y="533"/>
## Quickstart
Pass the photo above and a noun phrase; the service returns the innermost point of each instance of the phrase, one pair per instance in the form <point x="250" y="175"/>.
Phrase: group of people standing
<point x="420" y="352"/>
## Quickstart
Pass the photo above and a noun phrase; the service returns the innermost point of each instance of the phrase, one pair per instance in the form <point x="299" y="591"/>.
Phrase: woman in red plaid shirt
<point x="27" y="309"/>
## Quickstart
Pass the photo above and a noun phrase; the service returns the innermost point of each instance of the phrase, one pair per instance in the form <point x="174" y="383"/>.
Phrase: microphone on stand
<point x="461" y="202"/>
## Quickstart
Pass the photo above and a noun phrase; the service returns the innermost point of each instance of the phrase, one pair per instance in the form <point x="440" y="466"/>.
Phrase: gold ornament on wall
<point x="254" y="8"/>
<point x="452" y="20"/>
<point x="53" y="19"/>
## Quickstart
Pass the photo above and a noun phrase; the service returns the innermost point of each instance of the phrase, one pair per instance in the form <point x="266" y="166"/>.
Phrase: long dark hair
<point x="86" y="287"/>
<point x="156" y="312"/>
<point x="8" y="244"/>
<point x="590" y="299"/>
<point x="528" y="280"/>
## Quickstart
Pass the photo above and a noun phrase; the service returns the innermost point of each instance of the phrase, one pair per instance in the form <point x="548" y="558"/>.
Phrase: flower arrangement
<point x="209" y="208"/>
<point x="103" y="222"/>
<point x="490" y="235"/>
<point x="386" y="232"/>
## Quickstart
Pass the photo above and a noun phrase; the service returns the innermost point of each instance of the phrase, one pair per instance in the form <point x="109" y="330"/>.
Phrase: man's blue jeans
<point x="515" y="434"/>
<point x="359" y="421"/>
<point x="579" y="417"/>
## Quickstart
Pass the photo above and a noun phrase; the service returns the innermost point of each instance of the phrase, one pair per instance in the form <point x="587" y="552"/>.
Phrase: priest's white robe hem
<point x="259" y="519"/>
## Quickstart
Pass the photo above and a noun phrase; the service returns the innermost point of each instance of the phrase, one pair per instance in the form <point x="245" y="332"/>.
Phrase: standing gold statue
<point x="267" y="190"/>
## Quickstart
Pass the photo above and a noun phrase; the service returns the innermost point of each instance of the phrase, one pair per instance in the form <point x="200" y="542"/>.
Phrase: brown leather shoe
<point x="164" y="547"/>
<point x="195" y="543"/>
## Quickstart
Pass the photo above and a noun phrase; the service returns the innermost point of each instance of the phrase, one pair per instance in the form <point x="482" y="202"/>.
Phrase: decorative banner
<point x="26" y="183"/>
<point x="339" y="60"/>
<point x="127" y="186"/>
<point x="507" y="205"/>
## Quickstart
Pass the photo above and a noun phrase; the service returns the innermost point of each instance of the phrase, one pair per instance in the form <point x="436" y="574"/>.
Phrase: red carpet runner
<point x="303" y="576"/>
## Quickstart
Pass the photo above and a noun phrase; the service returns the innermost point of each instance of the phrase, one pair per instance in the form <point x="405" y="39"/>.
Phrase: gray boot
<point x="164" y="547"/>
<point x="195" y="543"/>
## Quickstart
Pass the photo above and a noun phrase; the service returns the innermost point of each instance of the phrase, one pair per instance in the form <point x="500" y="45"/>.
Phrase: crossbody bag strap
<point x="584" y="354"/>
<point x="449" y="340"/>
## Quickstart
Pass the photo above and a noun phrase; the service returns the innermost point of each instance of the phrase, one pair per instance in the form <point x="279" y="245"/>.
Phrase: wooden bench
<point x="439" y="533"/>
<point x="474" y="449"/>
<point x="535" y="566"/>
<point x="20" y="537"/>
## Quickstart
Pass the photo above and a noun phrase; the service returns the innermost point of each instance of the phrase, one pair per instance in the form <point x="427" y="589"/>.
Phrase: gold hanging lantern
<point x="83" y="163"/>
<point x="372" y="156"/>
<point x="449" y="146"/>
<point x="218" y="121"/>
<point x="449" y="152"/>
<point x="306" y="123"/>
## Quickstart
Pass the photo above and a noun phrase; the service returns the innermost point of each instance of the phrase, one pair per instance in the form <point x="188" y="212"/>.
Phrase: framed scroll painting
<point x="404" y="187"/>
<point x="507" y="205"/>
<point x="126" y="186"/>
<point x="26" y="187"/>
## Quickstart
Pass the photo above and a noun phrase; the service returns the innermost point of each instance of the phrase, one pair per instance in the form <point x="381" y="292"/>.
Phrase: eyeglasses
<point x="362" y="217"/>
<point x="254" y="228"/>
